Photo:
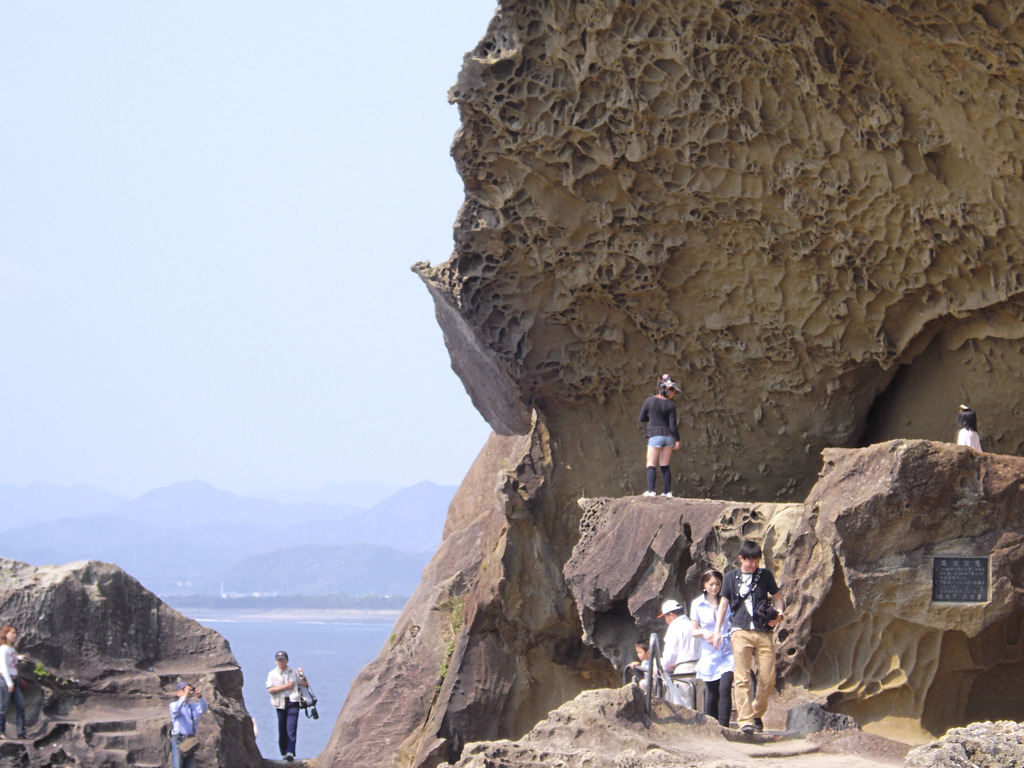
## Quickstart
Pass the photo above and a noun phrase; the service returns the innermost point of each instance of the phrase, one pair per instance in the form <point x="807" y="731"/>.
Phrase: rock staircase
<point x="122" y="723"/>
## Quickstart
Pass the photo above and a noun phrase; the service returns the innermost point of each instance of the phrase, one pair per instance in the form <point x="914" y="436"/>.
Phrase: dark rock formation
<point x="812" y="718"/>
<point x="103" y="658"/>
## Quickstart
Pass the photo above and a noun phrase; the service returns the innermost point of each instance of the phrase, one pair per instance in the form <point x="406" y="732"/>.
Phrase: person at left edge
<point x="184" y="714"/>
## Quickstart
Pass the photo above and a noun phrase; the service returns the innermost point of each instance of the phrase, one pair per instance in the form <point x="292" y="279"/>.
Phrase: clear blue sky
<point x="208" y="211"/>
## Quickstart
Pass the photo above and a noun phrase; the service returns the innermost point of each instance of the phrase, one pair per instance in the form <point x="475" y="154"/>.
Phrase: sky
<point x="208" y="211"/>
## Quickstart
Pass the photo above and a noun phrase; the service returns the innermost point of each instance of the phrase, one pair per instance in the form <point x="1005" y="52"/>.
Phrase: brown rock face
<point x="855" y="565"/>
<point x="633" y="553"/>
<point x="854" y="562"/>
<point x="109" y="655"/>
<point x="808" y="212"/>
<point x="867" y="632"/>
<point x="612" y="729"/>
<point x="489" y="642"/>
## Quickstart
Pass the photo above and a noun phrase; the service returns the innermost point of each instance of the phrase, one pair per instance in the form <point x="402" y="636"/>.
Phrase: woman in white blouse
<point x="11" y="688"/>
<point x="967" y="420"/>
<point x="715" y="667"/>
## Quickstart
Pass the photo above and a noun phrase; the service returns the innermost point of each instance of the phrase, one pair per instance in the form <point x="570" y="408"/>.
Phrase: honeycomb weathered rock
<point x="808" y="212"/>
<point x="780" y="202"/>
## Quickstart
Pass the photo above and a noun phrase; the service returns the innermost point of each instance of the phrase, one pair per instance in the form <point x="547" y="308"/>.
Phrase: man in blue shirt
<point x="184" y="714"/>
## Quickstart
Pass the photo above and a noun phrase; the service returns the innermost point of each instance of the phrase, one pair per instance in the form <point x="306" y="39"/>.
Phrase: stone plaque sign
<point x="960" y="579"/>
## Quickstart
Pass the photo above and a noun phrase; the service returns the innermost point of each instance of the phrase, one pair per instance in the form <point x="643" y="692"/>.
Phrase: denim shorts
<point x="661" y="441"/>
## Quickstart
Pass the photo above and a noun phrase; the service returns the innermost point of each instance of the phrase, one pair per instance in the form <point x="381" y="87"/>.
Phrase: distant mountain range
<point x="190" y="537"/>
<point x="44" y="501"/>
<point x="354" y="494"/>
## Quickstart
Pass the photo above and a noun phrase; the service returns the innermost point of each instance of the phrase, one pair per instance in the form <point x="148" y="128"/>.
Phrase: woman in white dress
<point x="715" y="667"/>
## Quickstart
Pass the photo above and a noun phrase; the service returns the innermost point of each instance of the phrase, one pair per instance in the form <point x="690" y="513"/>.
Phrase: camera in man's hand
<point x="764" y="614"/>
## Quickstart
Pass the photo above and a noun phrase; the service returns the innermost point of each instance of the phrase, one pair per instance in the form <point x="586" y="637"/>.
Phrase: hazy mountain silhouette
<point x="362" y="495"/>
<point x="412" y="515"/>
<point x="46" y="501"/>
<point x="196" y="502"/>
<point x="353" y="569"/>
<point x="176" y="539"/>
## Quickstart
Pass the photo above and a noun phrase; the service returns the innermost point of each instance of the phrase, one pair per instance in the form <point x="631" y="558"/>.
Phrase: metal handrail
<point x="654" y="657"/>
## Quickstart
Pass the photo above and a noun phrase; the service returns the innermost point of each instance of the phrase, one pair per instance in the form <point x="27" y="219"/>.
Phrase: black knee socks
<point x="666" y="478"/>
<point x="652" y="474"/>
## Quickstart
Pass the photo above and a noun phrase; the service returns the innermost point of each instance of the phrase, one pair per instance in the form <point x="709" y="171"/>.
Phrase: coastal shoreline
<point x="296" y="615"/>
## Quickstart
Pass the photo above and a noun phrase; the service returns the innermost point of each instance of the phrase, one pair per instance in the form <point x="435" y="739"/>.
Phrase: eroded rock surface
<point x="110" y="654"/>
<point x="855" y="565"/>
<point x="490" y="641"/>
<point x="979" y="745"/>
<point x="861" y="634"/>
<point x="808" y="212"/>
<point x="868" y="632"/>
<point x="611" y="729"/>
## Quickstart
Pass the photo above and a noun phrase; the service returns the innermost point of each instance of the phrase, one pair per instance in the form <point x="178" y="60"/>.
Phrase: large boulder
<point x="855" y="564"/>
<point x="863" y="626"/>
<point x="103" y="657"/>
<point x="810" y="213"/>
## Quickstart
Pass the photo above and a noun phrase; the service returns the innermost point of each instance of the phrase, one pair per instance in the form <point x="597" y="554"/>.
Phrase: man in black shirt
<point x="746" y="591"/>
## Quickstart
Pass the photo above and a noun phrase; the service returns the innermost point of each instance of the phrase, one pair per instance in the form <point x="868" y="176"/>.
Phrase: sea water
<point x="330" y="652"/>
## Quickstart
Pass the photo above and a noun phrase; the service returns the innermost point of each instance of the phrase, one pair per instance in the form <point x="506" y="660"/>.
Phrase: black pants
<point x="718" y="699"/>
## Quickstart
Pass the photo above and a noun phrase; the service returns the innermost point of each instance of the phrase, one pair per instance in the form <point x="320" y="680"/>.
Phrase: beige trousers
<point x="750" y="648"/>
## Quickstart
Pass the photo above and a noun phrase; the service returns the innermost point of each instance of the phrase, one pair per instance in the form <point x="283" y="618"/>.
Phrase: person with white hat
<point x="682" y="649"/>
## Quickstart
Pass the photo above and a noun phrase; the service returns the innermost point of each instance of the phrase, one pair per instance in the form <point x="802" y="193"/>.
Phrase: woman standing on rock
<point x="967" y="420"/>
<point x="715" y="667"/>
<point x="662" y="433"/>
<point x="11" y="688"/>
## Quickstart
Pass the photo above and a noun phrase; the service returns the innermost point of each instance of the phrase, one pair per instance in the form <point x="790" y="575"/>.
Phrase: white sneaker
<point x="650" y="493"/>
<point x="668" y="495"/>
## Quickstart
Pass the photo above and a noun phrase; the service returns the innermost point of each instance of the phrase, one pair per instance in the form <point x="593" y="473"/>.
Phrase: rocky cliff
<point x="103" y="656"/>
<point x="807" y="212"/>
<point x="855" y="563"/>
<point x="495" y="636"/>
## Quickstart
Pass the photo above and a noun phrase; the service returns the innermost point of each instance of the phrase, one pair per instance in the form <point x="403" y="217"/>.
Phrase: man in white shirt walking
<point x="283" y="686"/>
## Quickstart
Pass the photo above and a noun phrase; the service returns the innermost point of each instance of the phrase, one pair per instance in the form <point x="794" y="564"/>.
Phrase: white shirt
<point x="276" y="678"/>
<point x="713" y="663"/>
<point x="747" y="585"/>
<point x="970" y="438"/>
<point x="680" y="644"/>
<point x="8" y="664"/>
